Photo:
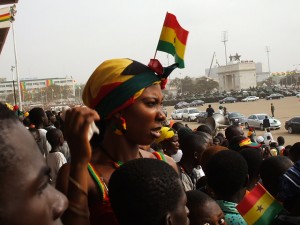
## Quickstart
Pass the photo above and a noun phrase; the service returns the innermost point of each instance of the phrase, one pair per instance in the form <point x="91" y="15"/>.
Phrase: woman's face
<point x="172" y="146"/>
<point x="144" y="117"/>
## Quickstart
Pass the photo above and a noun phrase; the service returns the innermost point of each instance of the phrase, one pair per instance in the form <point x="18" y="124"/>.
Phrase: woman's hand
<point x="76" y="128"/>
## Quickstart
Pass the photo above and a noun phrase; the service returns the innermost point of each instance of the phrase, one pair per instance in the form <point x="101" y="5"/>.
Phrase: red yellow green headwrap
<point x="116" y="83"/>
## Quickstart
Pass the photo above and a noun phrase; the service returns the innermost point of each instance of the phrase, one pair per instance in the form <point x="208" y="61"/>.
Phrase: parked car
<point x="228" y="100"/>
<point x="298" y="95"/>
<point x="236" y="118"/>
<point x="181" y="105"/>
<point x="256" y="121"/>
<point x="201" y="117"/>
<point x="177" y="114"/>
<point x="197" y="103"/>
<point x="250" y="99"/>
<point x="190" y="114"/>
<point x="274" y="96"/>
<point x="293" y="125"/>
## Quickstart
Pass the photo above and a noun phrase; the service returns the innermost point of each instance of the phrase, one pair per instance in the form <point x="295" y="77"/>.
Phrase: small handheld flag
<point x="173" y="39"/>
<point x="259" y="207"/>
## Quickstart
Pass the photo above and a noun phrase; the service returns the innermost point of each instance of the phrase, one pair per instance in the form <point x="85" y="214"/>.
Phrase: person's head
<point x="233" y="131"/>
<point x="227" y="175"/>
<point x="51" y="117"/>
<point x="127" y="96"/>
<point x="266" y="117"/>
<point x="192" y="147"/>
<point x="260" y="139"/>
<point x="273" y="144"/>
<point x="204" y="128"/>
<point x="268" y="129"/>
<point x="55" y="137"/>
<point x="203" y="209"/>
<point x="294" y="152"/>
<point x="216" y="141"/>
<point x="158" y="197"/>
<point x="289" y="190"/>
<point x="238" y="143"/>
<point x="26" y="121"/>
<point x="38" y="117"/>
<point x="209" y="153"/>
<point x="209" y="106"/>
<point x="280" y="140"/>
<point x="286" y="151"/>
<point x="271" y="170"/>
<point x="26" y="196"/>
<point x="254" y="160"/>
<point x="177" y="125"/>
<point x="168" y="140"/>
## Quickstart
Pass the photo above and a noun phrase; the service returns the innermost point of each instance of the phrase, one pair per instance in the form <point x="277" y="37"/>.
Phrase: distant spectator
<point x="268" y="133"/>
<point x="287" y="150"/>
<point x="266" y="122"/>
<point x="280" y="147"/>
<point x="272" y="109"/>
<point x="210" y="111"/>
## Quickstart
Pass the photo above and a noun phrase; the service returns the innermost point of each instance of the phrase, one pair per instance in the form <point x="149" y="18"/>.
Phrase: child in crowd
<point x="55" y="159"/>
<point x="203" y="209"/>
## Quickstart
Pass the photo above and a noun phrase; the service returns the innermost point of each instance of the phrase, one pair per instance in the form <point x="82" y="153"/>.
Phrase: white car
<point x="256" y="121"/>
<point x="190" y="114"/>
<point x="250" y="99"/>
<point x="298" y="95"/>
<point x="177" y="114"/>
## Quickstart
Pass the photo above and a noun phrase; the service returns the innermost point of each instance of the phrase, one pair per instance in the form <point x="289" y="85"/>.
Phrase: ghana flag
<point x="173" y="39"/>
<point x="259" y="207"/>
<point x="5" y="17"/>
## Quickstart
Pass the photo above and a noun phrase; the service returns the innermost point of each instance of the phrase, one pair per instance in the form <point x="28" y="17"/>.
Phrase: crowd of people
<point x="117" y="161"/>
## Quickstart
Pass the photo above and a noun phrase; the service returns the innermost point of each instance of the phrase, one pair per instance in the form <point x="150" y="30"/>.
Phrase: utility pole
<point x="224" y="40"/>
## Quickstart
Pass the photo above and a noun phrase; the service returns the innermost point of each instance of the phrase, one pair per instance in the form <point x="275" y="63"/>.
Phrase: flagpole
<point x="160" y="32"/>
<point x="13" y="12"/>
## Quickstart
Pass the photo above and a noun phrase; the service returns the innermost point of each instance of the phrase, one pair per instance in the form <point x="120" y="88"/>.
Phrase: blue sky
<point x="71" y="38"/>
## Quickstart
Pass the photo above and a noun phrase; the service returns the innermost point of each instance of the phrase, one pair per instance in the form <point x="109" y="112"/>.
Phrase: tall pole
<point x="13" y="13"/>
<point x="13" y="83"/>
<point x="268" y="51"/>
<point x="225" y="39"/>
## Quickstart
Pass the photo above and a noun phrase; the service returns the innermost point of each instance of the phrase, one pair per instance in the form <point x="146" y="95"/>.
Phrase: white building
<point x="237" y="75"/>
<point x="31" y="85"/>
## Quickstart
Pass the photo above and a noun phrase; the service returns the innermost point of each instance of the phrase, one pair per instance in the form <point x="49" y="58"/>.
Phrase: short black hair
<point x="8" y="154"/>
<point x="271" y="170"/>
<point x="280" y="140"/>
<point x="204" y="128"/>
<point x="196" y="199"/>
<point x="143" y="191"/>
<point x="254" y="159"/>
<point x="226" y="173"/>
<point x="294" y="152"/>
<point x="177" y="125"/>
<point x="36" y="115"/>
<point x="190" y="143"/>
<point x="232" y="131"/>
<point x="53" y="136"/>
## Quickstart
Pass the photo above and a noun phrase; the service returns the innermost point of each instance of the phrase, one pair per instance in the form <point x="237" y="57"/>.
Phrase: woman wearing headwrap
<point x="127" y="96"/>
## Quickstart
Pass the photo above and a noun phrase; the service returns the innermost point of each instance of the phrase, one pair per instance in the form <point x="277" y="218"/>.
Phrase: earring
<point x="120" y="128"/>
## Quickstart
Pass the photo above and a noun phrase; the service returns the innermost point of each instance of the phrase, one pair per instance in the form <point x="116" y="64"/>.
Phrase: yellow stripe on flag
<point x="258" y="209"/>
<point x="169" y="35"/>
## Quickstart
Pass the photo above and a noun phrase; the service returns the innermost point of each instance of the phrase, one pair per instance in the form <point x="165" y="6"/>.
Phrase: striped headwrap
<point x="116" y="83"/>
